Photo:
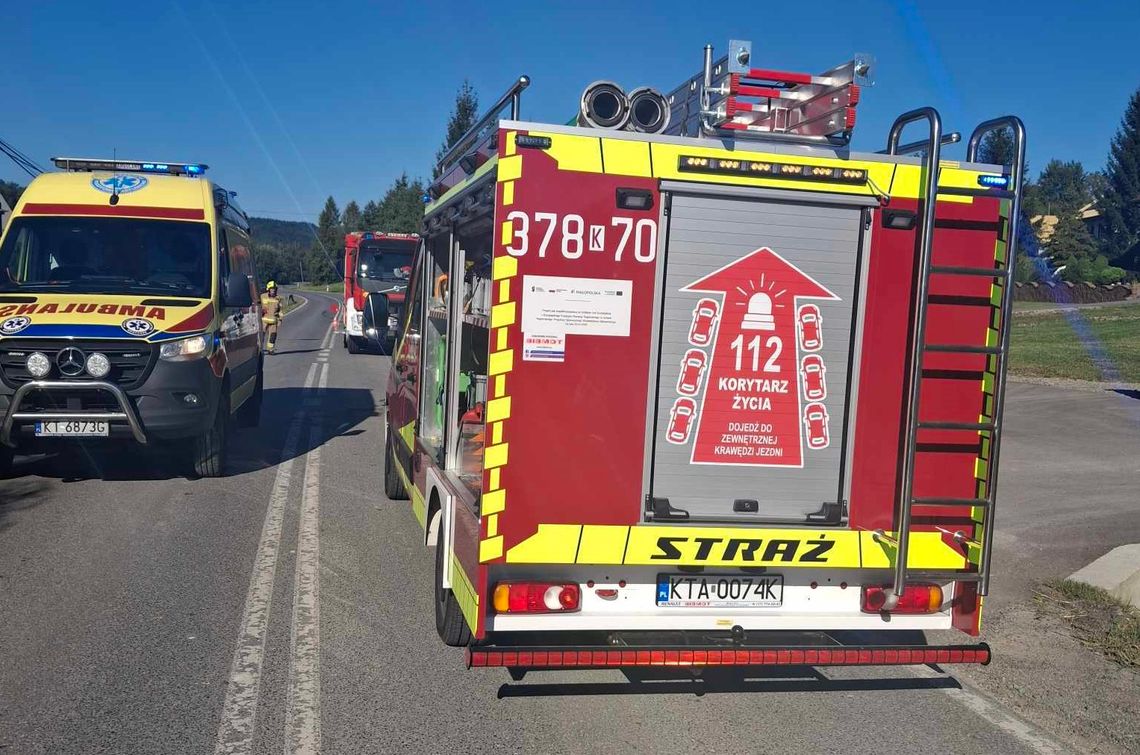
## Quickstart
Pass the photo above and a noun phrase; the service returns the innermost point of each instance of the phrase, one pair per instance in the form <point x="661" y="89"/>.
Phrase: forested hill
<point x="283" y="232"/>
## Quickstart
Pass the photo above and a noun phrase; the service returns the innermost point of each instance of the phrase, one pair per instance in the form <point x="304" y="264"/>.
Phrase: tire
<point x="393" y="485"/>
<point x="208" y="451"/>
<point x="249" y="415"/>
<point x="353" y="345"/>
<point x="449" y="620"/>
<point x="7" y="455"/>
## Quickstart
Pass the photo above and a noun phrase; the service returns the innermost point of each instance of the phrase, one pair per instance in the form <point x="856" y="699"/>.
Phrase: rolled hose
<point x="603" y="105"/>
<point x="648" y="111"/>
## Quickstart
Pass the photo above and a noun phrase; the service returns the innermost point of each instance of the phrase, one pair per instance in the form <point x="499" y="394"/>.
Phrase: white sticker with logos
<point x="539" y="348"/>
<point x="557" y="305"/>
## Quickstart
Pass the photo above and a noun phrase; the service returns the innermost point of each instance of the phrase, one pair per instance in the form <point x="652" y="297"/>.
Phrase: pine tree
<point x="402" y="209"/>
<point x="463" y="117"/>
<point x="1063" y="188"/>
<point x="320" y="262"/>
<point x="330" y="233"/>
<point x="1120" y="205"/>
<point x="351" y="218"/>
<point x="370" y="217"/>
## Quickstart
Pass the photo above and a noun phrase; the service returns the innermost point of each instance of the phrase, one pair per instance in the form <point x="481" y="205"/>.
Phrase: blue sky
<point x="292" y="101"/>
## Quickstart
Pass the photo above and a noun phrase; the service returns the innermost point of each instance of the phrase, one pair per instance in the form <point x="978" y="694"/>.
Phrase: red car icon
<point x="692" y="369"/>
<point x="810" y="325"/>
<point x="704" y="322"/>
<point x="681" y="420"/>
<point x="815" y="420"/>
<point x="811" y="372"/>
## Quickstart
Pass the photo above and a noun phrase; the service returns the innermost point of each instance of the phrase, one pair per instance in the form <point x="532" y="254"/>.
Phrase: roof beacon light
<point x="994" y="182"/>
<point x="85" y="164"/>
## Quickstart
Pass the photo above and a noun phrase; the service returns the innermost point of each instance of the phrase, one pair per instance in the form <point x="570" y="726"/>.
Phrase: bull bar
<point x="127" y="414"/>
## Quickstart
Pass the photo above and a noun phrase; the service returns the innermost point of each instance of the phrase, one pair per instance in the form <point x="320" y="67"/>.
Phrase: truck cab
<point x="374" y="263"/>
<point x="128" y="311"/>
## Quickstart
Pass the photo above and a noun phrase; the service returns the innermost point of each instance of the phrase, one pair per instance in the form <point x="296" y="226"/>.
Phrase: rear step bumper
<point x="695" y="656"/>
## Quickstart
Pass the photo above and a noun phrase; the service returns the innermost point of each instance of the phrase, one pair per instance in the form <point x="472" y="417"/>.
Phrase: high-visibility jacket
<point x="270" y="309"/>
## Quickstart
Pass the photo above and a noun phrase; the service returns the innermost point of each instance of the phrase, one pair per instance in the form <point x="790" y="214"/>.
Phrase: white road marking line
<point x="239" y="712"/>
<point x="303" y="709"/>
<point x="1022" y="731"/>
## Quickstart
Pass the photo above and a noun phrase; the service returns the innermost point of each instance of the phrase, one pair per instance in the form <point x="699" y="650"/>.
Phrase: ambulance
<point x="705" y="386"/>
<point x="128" y="310"/>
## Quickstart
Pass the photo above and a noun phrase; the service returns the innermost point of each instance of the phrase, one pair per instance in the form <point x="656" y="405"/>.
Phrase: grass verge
<point x="322" y="288"/>
<point x="1060" y="344"/>
<point x="1098" y="619"/>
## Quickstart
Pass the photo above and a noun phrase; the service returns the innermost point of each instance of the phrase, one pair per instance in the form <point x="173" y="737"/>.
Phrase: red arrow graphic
<point x="751" y="413"/>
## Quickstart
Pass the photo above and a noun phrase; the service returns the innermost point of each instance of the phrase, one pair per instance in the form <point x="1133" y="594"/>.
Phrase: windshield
<point x="386" y="263"/>
<point x="106" y="256"/>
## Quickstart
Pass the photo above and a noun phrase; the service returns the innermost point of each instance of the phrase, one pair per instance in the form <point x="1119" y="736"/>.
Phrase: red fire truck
<point x="374" y="262"/>
<point x="600" y="496"/>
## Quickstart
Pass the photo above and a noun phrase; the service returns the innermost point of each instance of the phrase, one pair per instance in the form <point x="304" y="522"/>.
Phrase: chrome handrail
<point x="926" y="238"/>
<point x="13" y="414"/>
<point x="464" y="143"/>
<point x="1013" y="123"/>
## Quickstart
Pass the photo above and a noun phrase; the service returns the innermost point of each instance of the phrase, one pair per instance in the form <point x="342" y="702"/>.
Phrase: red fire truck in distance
<point x="600" y="496"/>
<point x="374" y="262"/>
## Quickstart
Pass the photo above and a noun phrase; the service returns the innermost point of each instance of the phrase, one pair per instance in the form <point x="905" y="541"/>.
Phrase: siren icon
<point x="759" y="315"/>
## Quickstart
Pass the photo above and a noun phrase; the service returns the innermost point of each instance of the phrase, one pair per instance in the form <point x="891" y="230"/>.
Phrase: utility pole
<point x="301" y="264"/>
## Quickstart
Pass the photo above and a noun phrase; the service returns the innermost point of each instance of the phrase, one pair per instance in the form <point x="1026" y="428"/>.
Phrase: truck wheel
<point x="7" y="454"/>
<point x="353" y="345"/>
<point x="208" y="451"/>
<point x="393" y="485"/>
<point x="449" y="621"/>
<point x="249" y="415"/>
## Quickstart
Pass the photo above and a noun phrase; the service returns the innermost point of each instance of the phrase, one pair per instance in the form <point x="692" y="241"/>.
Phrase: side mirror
<point x="237" y="291"/>
<point x="375" y="319"/>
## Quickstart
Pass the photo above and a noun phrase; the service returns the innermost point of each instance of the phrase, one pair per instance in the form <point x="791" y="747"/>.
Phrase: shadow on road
<point x="251" y="450"/>
<point x="722" y="680"/>
<point x="1127" y="393"/>
<point x="19" y="495"/>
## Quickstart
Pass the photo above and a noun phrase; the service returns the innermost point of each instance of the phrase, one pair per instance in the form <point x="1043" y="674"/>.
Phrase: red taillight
<point x="535" y="597"/>
<point x="914" y="599"/>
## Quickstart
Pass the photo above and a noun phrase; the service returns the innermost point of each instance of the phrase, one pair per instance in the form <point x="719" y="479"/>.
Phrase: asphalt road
<point x="288" y="607"/>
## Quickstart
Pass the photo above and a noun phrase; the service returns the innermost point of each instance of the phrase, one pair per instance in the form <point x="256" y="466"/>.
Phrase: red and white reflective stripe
<point x="610" y="658"/>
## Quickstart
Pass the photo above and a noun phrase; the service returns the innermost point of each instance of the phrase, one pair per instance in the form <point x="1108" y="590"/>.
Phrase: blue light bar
<point x="994" y="182"/>
<point x="129" y="166"/>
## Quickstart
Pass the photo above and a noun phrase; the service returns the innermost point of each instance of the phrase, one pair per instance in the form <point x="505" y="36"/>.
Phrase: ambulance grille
<point x="131" y="361"/>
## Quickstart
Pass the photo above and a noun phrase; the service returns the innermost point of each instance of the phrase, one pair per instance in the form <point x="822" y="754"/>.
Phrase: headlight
<point x="38" y="365"/>
<point x="98" y="365"/>
<point x="185" y="349"/>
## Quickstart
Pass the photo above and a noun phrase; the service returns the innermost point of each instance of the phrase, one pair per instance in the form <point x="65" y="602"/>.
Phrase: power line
<point x="23" y="161"/>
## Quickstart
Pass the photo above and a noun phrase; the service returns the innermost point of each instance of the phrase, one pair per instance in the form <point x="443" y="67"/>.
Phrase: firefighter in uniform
<point x="270" y="315"/>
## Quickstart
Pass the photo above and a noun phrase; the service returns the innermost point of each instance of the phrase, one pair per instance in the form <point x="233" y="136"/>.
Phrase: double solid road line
<point x="302" y="734"/>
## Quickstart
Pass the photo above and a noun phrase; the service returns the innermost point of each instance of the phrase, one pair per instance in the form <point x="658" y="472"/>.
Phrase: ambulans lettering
<point x="636" y="238"/>
<point x="742" y="549"/>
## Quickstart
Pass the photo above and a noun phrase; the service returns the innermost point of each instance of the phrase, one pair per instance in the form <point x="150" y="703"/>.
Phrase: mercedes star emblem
<point x="70" y="361"/>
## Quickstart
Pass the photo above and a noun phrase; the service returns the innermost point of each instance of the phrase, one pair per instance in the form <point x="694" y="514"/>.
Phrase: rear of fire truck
<point x="704" y="387"/>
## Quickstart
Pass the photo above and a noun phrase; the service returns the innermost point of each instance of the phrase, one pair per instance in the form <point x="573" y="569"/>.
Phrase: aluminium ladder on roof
<point x="996" y="355"/>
